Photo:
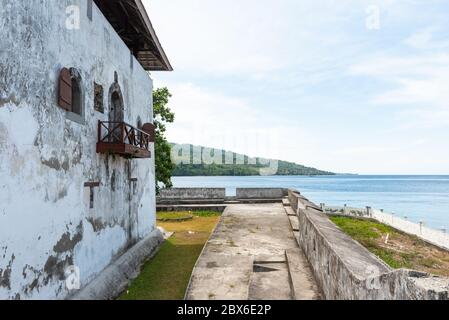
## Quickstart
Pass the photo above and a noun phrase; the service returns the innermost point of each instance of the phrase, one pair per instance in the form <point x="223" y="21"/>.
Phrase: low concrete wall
<point x="345" y="270"/>
<point x="304" y="203"/>
<point x="192" y="193"/>
<point x="179" y="207"/>
<point x="261" y="193"/>
<point x="113" y="280"/>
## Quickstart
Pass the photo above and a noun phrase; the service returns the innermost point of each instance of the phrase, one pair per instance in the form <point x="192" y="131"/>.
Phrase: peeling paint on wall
<point x="45" y="158"/>
<point x="10" y="100"/>
<point x="98" y="224"/>
<point x="5" y="275"/>
<point x="3" y="135"/>
<point x="68" y="243"/>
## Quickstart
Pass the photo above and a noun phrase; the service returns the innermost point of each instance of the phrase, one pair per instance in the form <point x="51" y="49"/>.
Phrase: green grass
<point x="362" y="229"/>
<point x="206" y="213"/>
<point x="368" y="233"/>
<point x="401" y="251"/>
<point x="166" y="276"/>
<point x="173" y="215"/>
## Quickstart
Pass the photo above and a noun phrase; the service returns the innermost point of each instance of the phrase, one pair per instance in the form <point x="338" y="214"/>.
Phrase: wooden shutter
<point x="65" y="90"/>
<point x="151" y="130"/>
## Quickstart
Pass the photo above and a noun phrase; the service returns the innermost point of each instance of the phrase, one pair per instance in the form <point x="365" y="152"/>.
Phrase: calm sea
<point x="419" y="198"/>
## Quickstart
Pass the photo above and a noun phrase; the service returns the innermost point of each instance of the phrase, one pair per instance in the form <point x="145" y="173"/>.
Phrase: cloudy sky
<point x="350" y="86"/>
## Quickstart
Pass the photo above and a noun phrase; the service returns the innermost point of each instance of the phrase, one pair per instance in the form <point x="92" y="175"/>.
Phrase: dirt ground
<point x="418" y="254"/>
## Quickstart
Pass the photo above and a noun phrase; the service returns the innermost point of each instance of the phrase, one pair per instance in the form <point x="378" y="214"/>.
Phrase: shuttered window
<point x="98" y="97"/>
<point x="70" y="94"/>
<point x="65" y="90"/>
<point x="151" y="130"/>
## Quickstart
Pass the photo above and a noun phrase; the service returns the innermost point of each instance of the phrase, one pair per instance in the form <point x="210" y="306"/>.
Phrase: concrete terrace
<point x="251" y="256"/>
<point x="276" y="244"/>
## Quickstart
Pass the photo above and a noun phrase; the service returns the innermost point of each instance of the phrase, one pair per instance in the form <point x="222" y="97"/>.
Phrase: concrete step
<point x="294" y="222"/>
<point x="269" y="281"/>
<point x="270" y="258"/>
<point x="302" y="282"/>
<point x="290" y="211"/>
<point x="296" y="234"/>
<point x="286" y="202"/>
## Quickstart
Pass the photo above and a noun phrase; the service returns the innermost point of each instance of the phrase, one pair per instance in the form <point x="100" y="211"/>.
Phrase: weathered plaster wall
<point x="113" y="280"/>
<point x="261" y="193"/>
<point x="46" y="224"/>
<point x="345" y="270"/>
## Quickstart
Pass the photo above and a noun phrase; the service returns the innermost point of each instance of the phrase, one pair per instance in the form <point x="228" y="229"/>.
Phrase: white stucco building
<point x="77" y="176"/>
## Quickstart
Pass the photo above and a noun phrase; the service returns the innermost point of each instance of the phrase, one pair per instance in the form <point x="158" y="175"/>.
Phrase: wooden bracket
<point x="92" y="184"/>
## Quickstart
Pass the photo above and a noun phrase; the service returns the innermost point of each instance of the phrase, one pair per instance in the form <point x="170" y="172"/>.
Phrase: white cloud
<point x="419" y="82"/>
<point x="365" y="150"/>
<point x="420" y="39"/>
<point x="201" y="36"/>
<point x="239" y="63"/>
<point x="213" y="119"/>
<point x="426" y="39"/>
<point x="256" y="36"/>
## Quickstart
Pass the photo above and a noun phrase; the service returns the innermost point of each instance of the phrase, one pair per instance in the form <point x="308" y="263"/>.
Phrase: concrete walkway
<point x="253" y="255"/>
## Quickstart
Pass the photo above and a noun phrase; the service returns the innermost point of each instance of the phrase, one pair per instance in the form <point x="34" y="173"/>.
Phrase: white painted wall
<point x="45" y="159"/>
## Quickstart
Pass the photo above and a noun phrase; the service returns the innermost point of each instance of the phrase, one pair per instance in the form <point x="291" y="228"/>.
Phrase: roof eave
<point x="143" y="12"/>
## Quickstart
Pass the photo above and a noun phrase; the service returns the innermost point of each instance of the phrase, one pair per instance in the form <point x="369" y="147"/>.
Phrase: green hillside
<point x="242" y="165"/>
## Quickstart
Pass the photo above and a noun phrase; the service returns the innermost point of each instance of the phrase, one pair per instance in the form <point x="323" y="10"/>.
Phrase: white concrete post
<point x="420" y="226"/>
<point x="323" y="207"/>
<point x="345" y="207"/>
<point x="368" y="211"/>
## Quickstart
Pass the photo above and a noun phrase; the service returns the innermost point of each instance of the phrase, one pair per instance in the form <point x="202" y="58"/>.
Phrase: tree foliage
<point x="162" y="116"/>
<point x="247" y="168"/>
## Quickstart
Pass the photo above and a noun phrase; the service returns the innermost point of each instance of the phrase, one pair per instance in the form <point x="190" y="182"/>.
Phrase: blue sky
<point x="349" y="86"/>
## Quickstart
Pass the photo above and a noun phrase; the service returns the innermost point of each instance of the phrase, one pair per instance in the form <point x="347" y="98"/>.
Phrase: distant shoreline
<point x="191" y="163"/>
<point x="322" y="175"/>
<point x="258" y="175"/>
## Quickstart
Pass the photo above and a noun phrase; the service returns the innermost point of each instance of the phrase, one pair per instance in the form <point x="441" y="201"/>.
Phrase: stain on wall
<point x="46" y="223"/>
<point x="68" y="242"/>
<point x="5" y="275"/>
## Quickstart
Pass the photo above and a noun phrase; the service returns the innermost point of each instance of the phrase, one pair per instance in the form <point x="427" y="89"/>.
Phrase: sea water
<point x="419" y="198"/>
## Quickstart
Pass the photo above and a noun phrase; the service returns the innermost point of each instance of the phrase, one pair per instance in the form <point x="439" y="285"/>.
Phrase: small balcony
<point x="125" y="140"/>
